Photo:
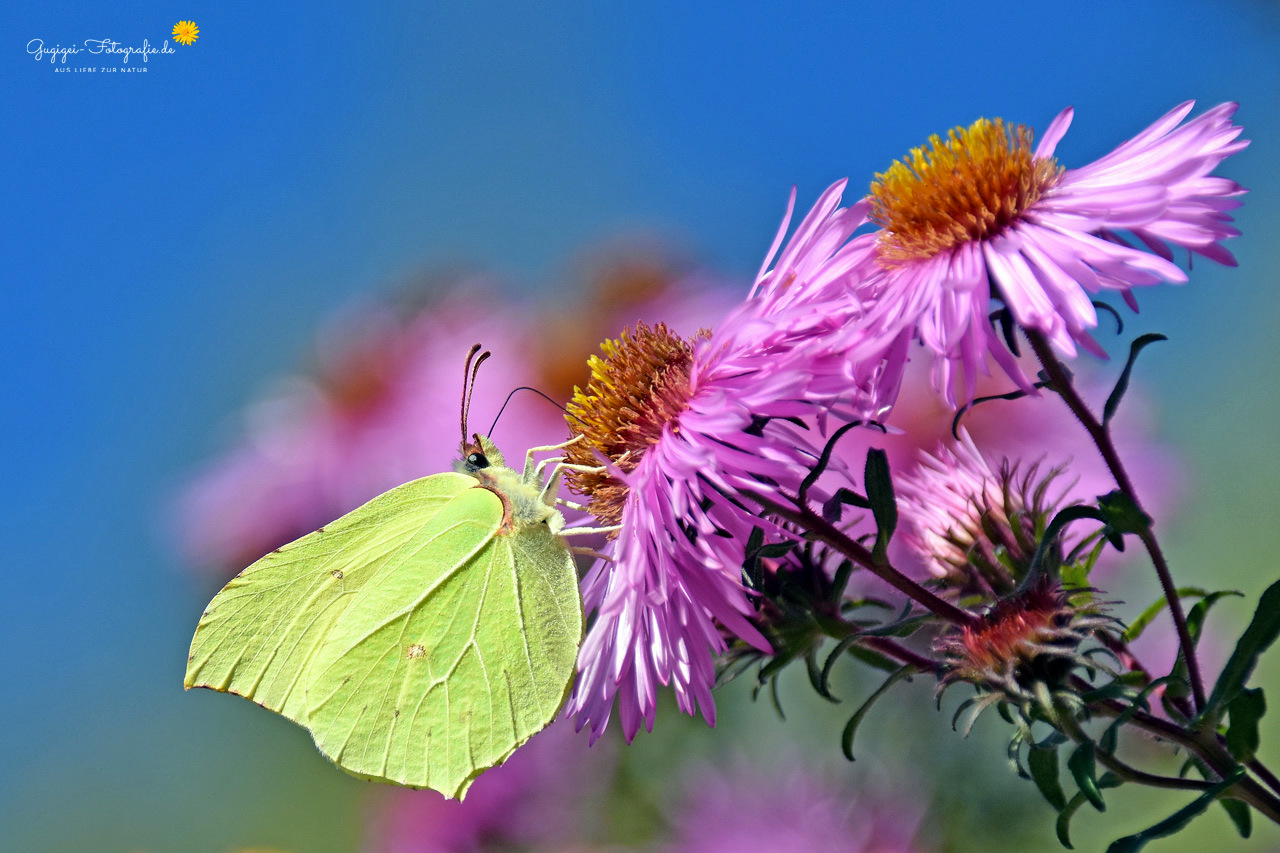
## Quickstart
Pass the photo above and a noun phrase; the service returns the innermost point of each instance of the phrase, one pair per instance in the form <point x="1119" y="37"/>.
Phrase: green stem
<point x="1101" y="435"/>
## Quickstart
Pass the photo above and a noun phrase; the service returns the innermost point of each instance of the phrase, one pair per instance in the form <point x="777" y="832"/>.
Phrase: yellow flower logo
<point x="185" y="32"/>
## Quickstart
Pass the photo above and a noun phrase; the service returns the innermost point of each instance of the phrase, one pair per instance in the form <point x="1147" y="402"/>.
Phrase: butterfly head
<point x="477" y="454"/>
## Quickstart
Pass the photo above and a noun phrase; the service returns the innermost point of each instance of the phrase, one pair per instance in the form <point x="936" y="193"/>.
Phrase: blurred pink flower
<point x="548" y="795"/>
<point x="982" y="215"/>
<point x="380" y="410"/>
<point x="790" y="809"/>
<point x="380" y="407"/>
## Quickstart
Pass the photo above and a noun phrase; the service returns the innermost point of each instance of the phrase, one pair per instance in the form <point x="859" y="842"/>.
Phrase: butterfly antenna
<point x="469" y="371"/>
<point x="540" y="394"/>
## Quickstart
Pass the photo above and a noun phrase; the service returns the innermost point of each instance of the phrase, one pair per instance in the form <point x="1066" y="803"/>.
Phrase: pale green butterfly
<point x="421" y="638"/>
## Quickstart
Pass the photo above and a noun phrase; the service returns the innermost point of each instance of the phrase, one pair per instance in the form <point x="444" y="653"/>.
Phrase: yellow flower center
<point x="640" y="385"/>
<point x="969" y="187"/>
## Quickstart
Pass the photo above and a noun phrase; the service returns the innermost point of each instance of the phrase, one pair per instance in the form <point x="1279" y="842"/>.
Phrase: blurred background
<point x="313" y="210"/>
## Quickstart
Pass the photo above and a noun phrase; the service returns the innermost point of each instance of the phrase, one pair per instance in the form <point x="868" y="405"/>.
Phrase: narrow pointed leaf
<point x="1083" y="767"/>
<point x="1196" y="617"/>
<point x="1056" y="526"/>
<point x="884" y="505"/>
<point x="836" y="653"/>
<point x="1257" y="638"/>
<point x="817" y="677"/>
<point x="851" y="727"/>
<point x="1240" y="815"/>
<point x="824" y="459"/>
<point x="1121" y="513"/>
<point x="1176" y="821"/>
<point x="1043" y="765"/>
<point x="840" y="581"/>
<point x="1147" y="616"/>
<point x="1244" y="711"/>
<point x="1063" y="825"/>
<point x="1122" y="384"/>
<point x="1108" y="739"/>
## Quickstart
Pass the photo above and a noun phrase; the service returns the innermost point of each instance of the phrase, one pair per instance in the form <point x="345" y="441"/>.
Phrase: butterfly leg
<point x="583" y="531"/>
<point x="528" y="457"/>
<point x="590" y="552"/>
<point x="552" y="486"/>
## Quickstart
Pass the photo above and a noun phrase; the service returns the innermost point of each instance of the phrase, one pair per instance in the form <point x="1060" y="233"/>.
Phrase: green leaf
<point x="884" y="506"/>
<point x="1237" y="810"/>
<point x="776" y="550"/>
<point x="1195" y="626"/>
<point x="1240" y="815"/>
<point x="1244" y="711"/>
<point x="1108" y="739"/>
<point x="851" y="727"/>
<point x="836" y="653"/>
<point x="833" y="507"/>
<point x="1043" y="764"/>
<point x="1259" y="636"/>
<point x="873" y="659"/>
<point x="817" y="677"/>
<point x="1122" y="384"/>
<point x="965" y="409"/>
<point x="1176" y="821"/>
<point x="773" y="694"/>
<point x="1072" y="513"/>
<point x="1082" y="767"/>
<point x="840" y="581"/>
<point x="1063" y="826"/>
<point x="824" y="460"/>
<point x="1121" y="514"/>
<point x="1147" y="616"/>
<point x="1195" y="618"/>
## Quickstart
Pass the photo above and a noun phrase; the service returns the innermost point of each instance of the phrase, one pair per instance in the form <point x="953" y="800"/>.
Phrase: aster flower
<point x="687" y="426"/>
<point x="981" y="214"/>
<point x="1024" y="646"/>
<point x="1029" y="431"/>
<point x="971" y="525"/>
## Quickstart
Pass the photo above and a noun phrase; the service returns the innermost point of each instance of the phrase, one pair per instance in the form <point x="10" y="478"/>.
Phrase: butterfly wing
<point x="260" y="633"/>
<point x="439" y="670"/>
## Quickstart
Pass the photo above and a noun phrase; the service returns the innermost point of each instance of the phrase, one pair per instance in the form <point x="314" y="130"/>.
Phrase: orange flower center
<point x="639" y="386"/>
<point x="1015" y="627"/>
<point x="969" y="187"/>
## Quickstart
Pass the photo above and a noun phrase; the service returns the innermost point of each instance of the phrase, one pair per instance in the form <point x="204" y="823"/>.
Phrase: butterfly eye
<point x="477" y="460"/>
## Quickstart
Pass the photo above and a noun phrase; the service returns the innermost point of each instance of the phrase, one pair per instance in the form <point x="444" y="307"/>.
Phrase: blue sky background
<point x="172" y="239"/>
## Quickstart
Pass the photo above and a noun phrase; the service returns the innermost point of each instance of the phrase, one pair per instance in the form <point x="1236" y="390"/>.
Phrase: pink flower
<point x="982" y="215"/>
<point x="380" y="407"/>
<point x="379" y="411"/>
<point x="690" y="429"/>
<point x="1024" y="432"/>
<point x="548" y="795"/>
<point x="790" y="810"/>
<point x="950" y="501"/>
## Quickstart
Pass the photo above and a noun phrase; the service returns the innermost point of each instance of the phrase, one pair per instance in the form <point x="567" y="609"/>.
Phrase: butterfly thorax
<point x="523" y="505"/>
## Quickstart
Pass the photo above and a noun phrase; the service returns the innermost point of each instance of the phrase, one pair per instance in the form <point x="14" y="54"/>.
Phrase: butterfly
<point x="420" y="638"/>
